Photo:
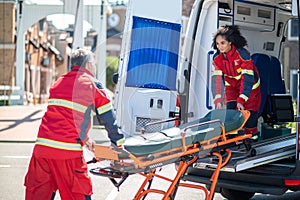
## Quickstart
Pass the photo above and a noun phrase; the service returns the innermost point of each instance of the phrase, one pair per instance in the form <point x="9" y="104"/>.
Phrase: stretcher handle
<point x="142" y="130"/>
<point x="183" y="133"/>
<point x="203" y="123"/>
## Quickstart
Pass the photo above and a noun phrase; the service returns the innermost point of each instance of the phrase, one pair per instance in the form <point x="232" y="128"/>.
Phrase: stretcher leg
<point x="181" y="170"/>
<point x="215" y="175"/>
<point x="170" y="193"/>
<point x="175" y="183"/>
<point x="142" y="192"/>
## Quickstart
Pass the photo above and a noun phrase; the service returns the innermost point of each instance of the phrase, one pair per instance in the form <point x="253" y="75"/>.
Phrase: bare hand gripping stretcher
<point x="208" y="136"/>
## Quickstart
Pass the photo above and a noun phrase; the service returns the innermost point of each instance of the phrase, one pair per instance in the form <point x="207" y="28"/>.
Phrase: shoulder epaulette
<point x="216" y="54"/>
<point x="244" y="53"/>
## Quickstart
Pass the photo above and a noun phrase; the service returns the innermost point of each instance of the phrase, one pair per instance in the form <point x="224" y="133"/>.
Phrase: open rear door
<point x="296" y="12"/>
<point x="146" y="89"/>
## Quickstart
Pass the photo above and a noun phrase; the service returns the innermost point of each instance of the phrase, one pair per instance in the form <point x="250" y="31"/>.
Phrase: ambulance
<point x="165" y="72"/>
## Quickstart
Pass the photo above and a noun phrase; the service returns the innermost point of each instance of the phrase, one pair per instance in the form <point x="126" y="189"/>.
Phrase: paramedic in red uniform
<point x="57" y="161"/>
<point x="235" y="69"/>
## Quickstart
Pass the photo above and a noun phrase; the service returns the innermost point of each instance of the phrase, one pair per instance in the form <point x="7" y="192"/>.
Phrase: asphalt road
<point x="14" y="159"/>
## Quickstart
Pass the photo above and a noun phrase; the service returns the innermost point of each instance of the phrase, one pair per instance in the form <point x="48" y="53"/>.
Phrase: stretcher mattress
<point x="149" y="143"/>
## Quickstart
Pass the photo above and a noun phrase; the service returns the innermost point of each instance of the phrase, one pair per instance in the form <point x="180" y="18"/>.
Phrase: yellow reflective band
<point x="68" y="104"/>
<point x="217" y="73"/>
<point x="235" y="77"/>
<point x="244" y="97"/>
<point x="256" y="85"/>
<point x="218" y="96"/>
<point x="234" y="133"/>
<point x="121" y="141"/>
<point x="104" y="108"/>
<point x="249" y="72"/>
<point x="58" y="144"/>
<point x="226" y="83"/>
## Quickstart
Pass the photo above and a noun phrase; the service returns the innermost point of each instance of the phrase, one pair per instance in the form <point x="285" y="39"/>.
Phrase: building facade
<point x="7" y="49"/>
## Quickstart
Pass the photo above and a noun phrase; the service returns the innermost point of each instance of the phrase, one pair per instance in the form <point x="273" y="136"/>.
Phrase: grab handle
<point x="208" y="76"/>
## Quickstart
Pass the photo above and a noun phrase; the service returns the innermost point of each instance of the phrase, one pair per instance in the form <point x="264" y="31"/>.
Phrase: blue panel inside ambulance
<point x="153" y="58"/>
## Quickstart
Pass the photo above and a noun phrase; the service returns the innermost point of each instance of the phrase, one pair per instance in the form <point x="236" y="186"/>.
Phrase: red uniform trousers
<point x="69" y="176"/>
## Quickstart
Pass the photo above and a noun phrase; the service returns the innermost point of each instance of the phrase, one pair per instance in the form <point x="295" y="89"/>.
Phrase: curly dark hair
<point x="231" y="34"/>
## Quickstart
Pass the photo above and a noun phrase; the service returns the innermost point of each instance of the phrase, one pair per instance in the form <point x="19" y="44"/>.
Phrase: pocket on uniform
<point x="38" y="174"/>
<point x="82" y="183"/>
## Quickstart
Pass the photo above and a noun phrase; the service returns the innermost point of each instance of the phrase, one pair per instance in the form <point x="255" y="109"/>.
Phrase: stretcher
<point x="210" y="136"/>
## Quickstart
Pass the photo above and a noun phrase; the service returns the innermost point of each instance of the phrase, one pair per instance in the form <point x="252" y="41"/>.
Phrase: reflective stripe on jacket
<point x="59" y="145"/>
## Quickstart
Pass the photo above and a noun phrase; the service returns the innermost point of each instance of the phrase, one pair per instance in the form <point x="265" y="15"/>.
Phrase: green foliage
<point x="111" y="68"/>
<point x="292" y="125"/>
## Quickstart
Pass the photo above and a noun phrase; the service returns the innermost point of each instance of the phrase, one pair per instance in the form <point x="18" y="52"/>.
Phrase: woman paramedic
<point x="235" y="69"/>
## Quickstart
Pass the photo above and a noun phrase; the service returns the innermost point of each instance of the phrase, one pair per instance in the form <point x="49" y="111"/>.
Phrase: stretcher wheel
<point x="150" y="157"/>
<point x="252" y="152"/>
<point x="236" y="194"/>
<point x="106" y="172"/>
<point x="247" y="143"/>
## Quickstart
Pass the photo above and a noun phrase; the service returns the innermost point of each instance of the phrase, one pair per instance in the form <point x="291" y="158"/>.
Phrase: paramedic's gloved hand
<point x="219" y="106"/>
<point x="240" y="106"/>
<point x="90" y="144"/>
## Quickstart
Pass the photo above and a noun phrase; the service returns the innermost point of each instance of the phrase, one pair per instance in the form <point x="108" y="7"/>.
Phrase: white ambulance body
<point x="155" y="71"/>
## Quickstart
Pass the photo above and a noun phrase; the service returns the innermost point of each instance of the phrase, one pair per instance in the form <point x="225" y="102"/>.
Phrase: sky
<point x="113" y="1"/>
<point x="68" y="19"/>
<point x="60" y="1"/>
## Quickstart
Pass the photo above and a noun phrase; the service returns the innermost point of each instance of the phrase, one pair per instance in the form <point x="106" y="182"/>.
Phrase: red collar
<point x="230" y="53"/>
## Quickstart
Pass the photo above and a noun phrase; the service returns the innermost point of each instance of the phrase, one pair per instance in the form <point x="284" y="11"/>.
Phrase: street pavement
<point x="21" y="123"/>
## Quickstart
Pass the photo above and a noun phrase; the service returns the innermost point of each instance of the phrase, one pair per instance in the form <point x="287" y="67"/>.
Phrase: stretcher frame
<point x="124" y="163"/>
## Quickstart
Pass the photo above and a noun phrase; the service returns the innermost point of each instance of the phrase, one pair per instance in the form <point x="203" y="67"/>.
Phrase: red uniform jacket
<point x="66" y="123"/>
<point x="242" y="84"/>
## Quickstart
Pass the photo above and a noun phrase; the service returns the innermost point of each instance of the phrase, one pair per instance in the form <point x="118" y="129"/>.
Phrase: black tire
<point x="252" y="152"/>
<point x="236" y="194"/>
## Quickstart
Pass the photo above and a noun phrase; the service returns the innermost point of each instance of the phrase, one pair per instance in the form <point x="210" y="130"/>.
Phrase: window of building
<point x="293" y="29"/>
<point x="294" y="83"/>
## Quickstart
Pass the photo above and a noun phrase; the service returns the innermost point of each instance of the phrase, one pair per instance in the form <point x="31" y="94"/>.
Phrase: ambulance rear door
<point x="146" y="90"/>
